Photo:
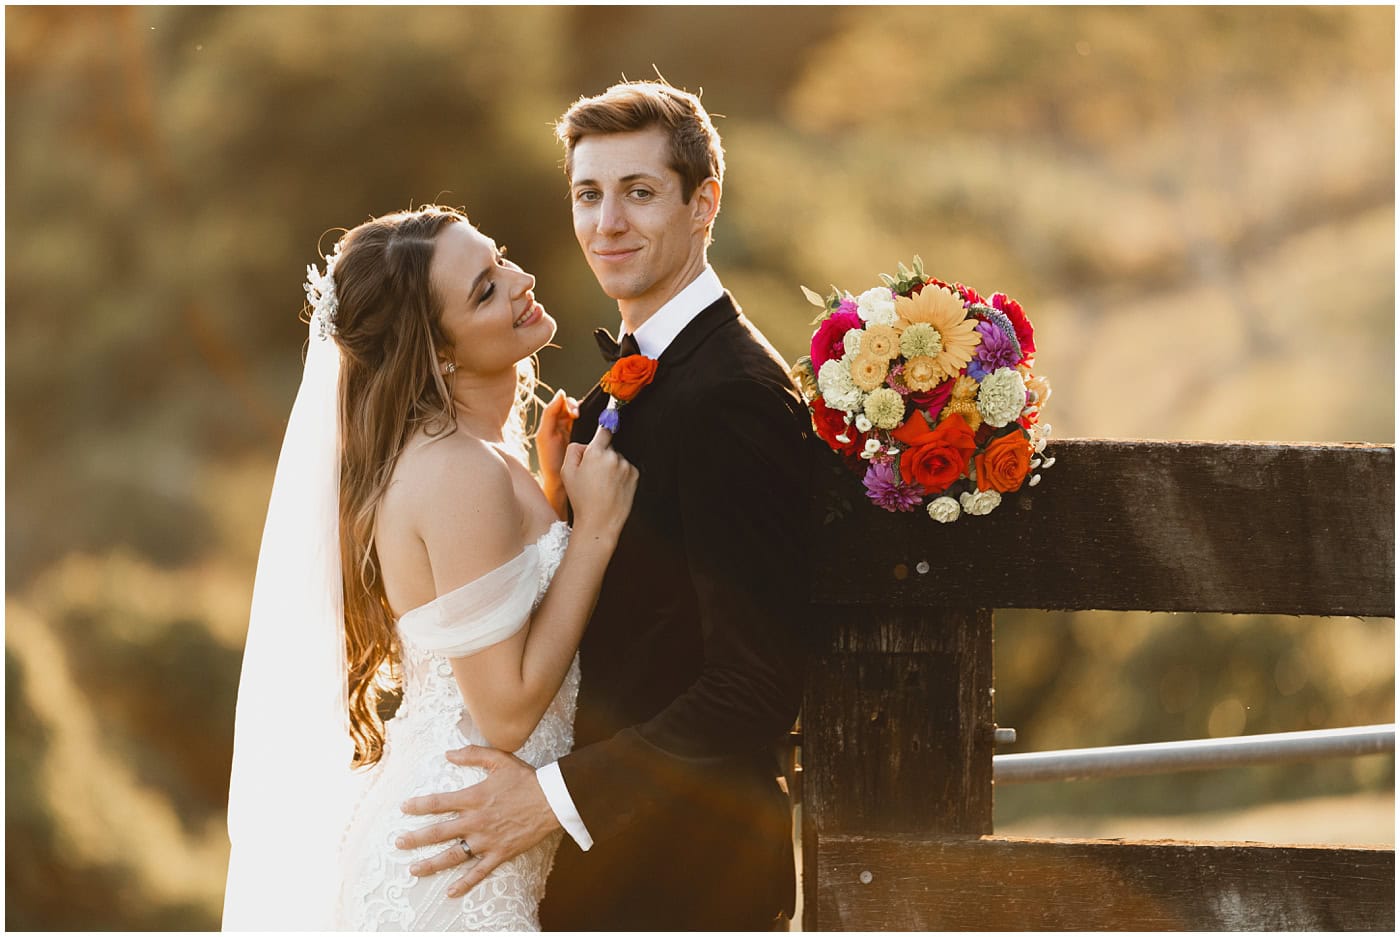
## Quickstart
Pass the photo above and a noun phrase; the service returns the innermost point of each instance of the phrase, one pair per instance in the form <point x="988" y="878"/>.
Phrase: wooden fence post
<point x="897" y="737"/>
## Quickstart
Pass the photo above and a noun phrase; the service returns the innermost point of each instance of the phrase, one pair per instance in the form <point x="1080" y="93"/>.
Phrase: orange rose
<point x="1005" y="462"/>
<point x="628" y="376"/>
<point x="939" y="456"/>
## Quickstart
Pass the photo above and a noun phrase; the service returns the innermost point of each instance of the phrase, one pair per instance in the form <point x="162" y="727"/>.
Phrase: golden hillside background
<point x="1195" y="205"/>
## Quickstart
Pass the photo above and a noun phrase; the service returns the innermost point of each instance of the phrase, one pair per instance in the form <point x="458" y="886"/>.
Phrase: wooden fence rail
<point x="898" y="719"/>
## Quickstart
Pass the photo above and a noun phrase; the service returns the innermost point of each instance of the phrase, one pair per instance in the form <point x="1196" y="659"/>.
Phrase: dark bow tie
<point x="611" y="349"/>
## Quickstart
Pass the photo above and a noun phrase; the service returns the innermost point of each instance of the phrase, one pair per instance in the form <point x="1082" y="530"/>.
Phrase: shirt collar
<point x="657" y="333"/>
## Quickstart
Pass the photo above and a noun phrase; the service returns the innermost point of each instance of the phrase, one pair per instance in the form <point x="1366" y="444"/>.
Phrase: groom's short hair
<point x="696" y="152"/>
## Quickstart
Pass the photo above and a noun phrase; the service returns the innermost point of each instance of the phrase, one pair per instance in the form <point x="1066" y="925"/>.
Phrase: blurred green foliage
<point x="1195" y="204"/>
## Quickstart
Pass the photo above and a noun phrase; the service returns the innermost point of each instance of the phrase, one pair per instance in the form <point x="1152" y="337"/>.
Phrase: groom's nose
<point x="612" y="219"/>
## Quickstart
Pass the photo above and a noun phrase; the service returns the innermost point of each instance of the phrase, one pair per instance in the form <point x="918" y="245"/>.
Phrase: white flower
<point x="980" y="502"/>
<point x="863" y="423"/>
<point x="944" y="510"/>
<point x="884" y="408"/>
<point x="837" y="388"/>
<point x="920" y="339"/>
<point x="1001" y="396"/>
<point x="1040" y="434"/>
<point x="320" y="294"/>
<point x="876" y="306"/>
<point x="851" y="341"/>
<point x="872" y="446"/>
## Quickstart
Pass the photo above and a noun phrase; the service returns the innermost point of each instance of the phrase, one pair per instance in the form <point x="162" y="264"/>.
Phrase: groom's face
<point x="642" y="239"/>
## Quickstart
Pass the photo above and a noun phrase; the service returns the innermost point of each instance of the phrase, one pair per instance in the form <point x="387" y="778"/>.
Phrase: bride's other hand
<point x="600" y="484"/>
<point x="551" y="442"/>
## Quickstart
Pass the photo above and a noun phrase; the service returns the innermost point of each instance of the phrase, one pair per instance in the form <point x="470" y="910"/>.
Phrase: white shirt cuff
<point x="555" y="791"/>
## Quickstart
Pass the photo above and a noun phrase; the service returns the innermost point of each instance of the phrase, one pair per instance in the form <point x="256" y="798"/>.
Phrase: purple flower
<point x="996" y="351"/>
<point x="886" y="490"/>
<point x="608" y="420"/>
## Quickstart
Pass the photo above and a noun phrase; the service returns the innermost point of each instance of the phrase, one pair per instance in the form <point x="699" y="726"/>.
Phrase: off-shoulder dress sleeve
<point x="481" y="613"/>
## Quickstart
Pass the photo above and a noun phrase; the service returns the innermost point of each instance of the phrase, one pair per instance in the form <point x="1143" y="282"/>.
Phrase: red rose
<point x="933" y="401"/>
<point x="940" y="456"/>
<point x="1025" y="335"/>
<point x="830" y="423"/>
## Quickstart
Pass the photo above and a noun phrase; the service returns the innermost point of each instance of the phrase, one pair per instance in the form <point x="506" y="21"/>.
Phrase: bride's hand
<point x="552" y="438"/>
<point x="600" y="484"/>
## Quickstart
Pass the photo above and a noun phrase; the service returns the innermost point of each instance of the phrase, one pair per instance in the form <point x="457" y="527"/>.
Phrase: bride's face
<point x="489" y="312"/>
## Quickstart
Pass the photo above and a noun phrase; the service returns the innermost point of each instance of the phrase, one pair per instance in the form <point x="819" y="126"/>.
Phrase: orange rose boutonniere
<point x="623" y="382"/>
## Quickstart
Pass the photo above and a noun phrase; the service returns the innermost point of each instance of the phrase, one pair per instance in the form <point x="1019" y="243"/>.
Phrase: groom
<point x="692" y="661"/>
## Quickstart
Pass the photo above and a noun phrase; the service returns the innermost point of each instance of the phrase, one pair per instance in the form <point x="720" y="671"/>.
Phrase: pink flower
<point x="827" y="343"/>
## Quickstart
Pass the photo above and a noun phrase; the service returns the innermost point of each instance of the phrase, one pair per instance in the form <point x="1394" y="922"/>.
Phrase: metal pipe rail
<point x="1194" y="755"/>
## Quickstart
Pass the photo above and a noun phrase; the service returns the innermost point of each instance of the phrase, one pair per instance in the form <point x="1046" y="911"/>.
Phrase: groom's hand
<point x="499" y="818"/>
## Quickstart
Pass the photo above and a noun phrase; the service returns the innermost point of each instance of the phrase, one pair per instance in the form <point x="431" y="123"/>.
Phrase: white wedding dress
<point x="377" y="892"/>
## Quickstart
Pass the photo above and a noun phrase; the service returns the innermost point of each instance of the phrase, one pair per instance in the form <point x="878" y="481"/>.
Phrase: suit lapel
<point x="684" y="345"/>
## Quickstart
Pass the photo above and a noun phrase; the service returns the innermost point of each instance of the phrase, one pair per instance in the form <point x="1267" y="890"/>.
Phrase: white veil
<point x="292" y="789"/>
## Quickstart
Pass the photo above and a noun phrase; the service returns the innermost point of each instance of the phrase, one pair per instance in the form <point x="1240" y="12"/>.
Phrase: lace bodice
<point x="430" y="690"/>
<point x="378" y="892"/>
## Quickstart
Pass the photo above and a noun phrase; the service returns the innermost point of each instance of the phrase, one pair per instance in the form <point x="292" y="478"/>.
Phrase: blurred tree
<point x="45" y="888"/>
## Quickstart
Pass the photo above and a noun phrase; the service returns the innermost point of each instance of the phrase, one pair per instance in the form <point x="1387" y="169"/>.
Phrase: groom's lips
<point x="616" y="256"/>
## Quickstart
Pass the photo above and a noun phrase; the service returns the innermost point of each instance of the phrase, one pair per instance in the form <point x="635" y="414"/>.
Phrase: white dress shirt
<point x="653" y="336"/>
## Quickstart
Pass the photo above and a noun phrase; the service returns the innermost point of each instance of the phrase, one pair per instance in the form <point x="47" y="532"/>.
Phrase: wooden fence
<point x="898" y="719"/>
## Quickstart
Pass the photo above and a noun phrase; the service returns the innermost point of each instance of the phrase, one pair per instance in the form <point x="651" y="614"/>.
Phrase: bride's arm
<point x="507" y="687"/>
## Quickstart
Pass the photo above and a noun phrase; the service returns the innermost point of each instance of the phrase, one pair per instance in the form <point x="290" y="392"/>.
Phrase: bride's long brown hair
<point x="388" y="328"/>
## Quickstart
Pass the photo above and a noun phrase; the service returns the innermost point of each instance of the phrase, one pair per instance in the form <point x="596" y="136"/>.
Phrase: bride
<point x="407" y="543"/>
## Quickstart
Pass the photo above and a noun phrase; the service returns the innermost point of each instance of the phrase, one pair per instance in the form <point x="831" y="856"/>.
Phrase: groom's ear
<point x="705" y="202"/>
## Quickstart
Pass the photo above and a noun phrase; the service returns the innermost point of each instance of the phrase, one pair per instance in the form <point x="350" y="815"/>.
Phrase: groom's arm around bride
<point x="692" y="662"/>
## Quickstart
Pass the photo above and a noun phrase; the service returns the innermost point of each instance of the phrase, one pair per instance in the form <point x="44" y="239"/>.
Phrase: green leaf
<point x="814" y="298"/>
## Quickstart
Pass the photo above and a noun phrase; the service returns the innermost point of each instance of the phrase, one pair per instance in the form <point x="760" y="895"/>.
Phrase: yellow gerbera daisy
<point x="869" y="373"/>
<point x="943" y="310"/>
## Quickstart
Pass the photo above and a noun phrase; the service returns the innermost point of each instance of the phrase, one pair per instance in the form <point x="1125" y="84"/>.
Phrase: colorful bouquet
<point x="927" y="391"/>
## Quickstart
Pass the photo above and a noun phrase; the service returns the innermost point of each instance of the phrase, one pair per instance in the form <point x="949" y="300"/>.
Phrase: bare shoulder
<point x="454" y="492"/>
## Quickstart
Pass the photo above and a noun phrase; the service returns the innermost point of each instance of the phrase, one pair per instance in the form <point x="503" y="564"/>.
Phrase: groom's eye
<point x="641" y="193"/>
